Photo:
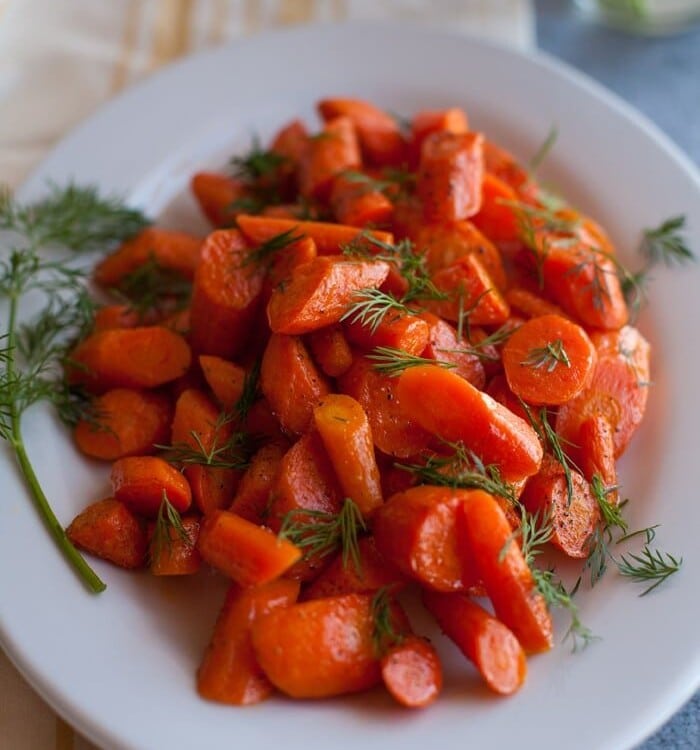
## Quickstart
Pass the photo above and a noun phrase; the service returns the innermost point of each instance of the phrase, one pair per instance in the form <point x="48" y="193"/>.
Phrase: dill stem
<point x="87" y="575"/>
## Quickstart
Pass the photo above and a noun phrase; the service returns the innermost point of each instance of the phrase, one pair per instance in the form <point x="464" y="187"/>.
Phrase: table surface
<point x="661" y="77"/>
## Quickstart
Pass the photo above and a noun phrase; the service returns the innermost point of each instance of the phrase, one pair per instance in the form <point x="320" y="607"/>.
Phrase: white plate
<point x="121" y="666"/>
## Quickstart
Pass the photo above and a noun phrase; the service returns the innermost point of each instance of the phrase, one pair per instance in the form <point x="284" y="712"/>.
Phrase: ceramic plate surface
<point x="120" y="666"/>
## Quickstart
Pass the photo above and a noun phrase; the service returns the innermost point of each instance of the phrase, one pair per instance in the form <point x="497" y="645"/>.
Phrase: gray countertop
<point x="661" y="77"/>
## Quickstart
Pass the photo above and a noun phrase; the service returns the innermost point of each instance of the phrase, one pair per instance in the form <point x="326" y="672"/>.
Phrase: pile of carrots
<point x="303" y="398"/>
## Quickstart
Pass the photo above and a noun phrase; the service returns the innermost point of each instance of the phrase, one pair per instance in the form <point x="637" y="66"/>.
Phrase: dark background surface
<point x="661" y="77"/>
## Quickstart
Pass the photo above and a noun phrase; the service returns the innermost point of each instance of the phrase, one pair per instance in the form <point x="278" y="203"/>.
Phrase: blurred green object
<point x="651" y="17"/>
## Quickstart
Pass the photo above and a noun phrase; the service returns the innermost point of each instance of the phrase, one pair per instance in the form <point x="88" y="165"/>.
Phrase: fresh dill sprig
<point x="543" y="150"/>
<point x="40" y="243"/>
<point x="152" y="287"/>
<point x="666" y="243"/>
<point x="548" y="356"/>
<point x="610" y="512"/>
<point x="392" y="181"/>
<point x="602" y="537"/>
<point x="479" y="348"/>
<point x="250" y="393"/>
<point x="268" y="249"/>
<point x="319" y="533"/>
<point x="393" y="362"/>
<point x="168" y="528"/>
<point x="257" y="164"/>
<point x="372" y="306"/>
<point x="649" y="566"/>
<point x="462" y="469"/>
<point x="384" y="632"/>
<point x="649" y="533"/>
<point x="224" y="452"/>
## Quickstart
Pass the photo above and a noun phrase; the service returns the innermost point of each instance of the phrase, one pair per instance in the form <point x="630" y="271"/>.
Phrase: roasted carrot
<point x="175" y="251"/>
<point x="329" y="238"/>
<point x="468" y="287"/>
<point x="453" y="120"/>
<point x="484" y="640"/>
<point x="379" y="134"/>
<point x="393" y="431"/>
<point x="109" y="530"/>
<point x="176" y="554"/>
<point x="503" y="165"/>
<point x="450" y="174"/>
<point x="412" y="673"/>
<point x="573" y="516"/>
<point x="530" y="305"/>
<point x="596" y="453"/>
<point x="486" y="540"/>
<point x="415" y="530"/>
<point x="305" y="481"/>
<point x="319" y="292"/>
<point x="334" y="150"/>
<point x="549" y="360"/>
<point x="444" y="346"/>
<point x="253" y="495"/>
<point x="216" y="194"/>
<point x="285" y="260"/>
<point x="399" y="330"/>
<point x="331" y="350"/>
<point x="343" y="577"/>
<point x="344" y="429"/>
<point x="357" y="204"/>
<point x="226" y="294"/>
<point x="249" y="554"/>
<point x="229" y="672"/>
<point x="319" y="648"/>
<point x="465" y="414"/>
<point x="496" y="217"/>
<point x="141" y="482"/>
<point x="618" y="390"/>
<point x="124" y="423"/>
<point x="116" y="316"/>
<point x="293" y="397"/>
<point x="128" y="358"/>
<point x="290" y="142"/>
<point x="226" y="379"/>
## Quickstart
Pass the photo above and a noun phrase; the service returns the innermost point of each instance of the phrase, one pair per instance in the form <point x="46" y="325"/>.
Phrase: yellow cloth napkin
<point x="61" y="59"/>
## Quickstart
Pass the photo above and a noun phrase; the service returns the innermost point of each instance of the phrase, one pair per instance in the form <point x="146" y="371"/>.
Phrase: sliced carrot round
<point x="412" y="672"/>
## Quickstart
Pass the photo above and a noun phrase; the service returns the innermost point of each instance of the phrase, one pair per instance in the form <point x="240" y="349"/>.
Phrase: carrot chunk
<point x="216" y="194"/>
<point x="177" y="554"/>
<point x="412" y="672"/>
<point x="141" y="481"/>
<point x="253" y="495"/>
<point x="331" y="350"/>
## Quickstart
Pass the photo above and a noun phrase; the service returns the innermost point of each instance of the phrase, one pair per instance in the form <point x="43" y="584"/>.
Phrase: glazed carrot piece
<point x="109" y="530"/>
<point x="373" y="573"/>
<point x="177" y="554"/>
<point x="504" y="166"/>
<point x="392" y="430"/>
<point x="293" y="396"/>
<point x="263" y="423"/>
<point x="379" y="134"/>
<point x="453" y="120"/>
<point x="253" y="494"/>
<point x="229" y="672"/>
<point x="329" y="238"/>
<point x="549" y="360"/>
<point x="596" y="453"/>
<point x="128" y="358"/>
<point x="586" y="285"/>
<point x="225" y="296"/>
<point x="319" y="292"/>
<point x="215" y="194"/>
<point x="285" y="260"/>
<point x="331" y="350"/>
<point x="116" y="316"/>
<point x="249" y="554"/>
<point x="531" y="305"/>
<point x="125" y="423"/>
<point x="400" y="330"/>
<point x="290" y="142"/>
<point x="319" y="648"/>
<point x="450" y="174"/>
<point x="444" y="346"/>
<point x="140" y="482"/>
<point x="500" y="391"/>
<point x="416" y="531"/>
<point x="573" y="518"/>
<point x="175" y="251"/>
<point x="333" y="151"/>
<point x="484" y="534"/>
<point x="305" y="481"/>
<point x="196" y="426"/>
<point x="445" y="244"/>
<point x="483" y="639"/>
<point x="226" y="379"/>
<point x="412" y="672"/>
<point x="496" y="218"/>
<point x="357" y="204"/>
<point x="468" y="287"/>
<point x="465" y="414"/>
<point x="618" y="391"/>
<point x="344" y="429"/>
